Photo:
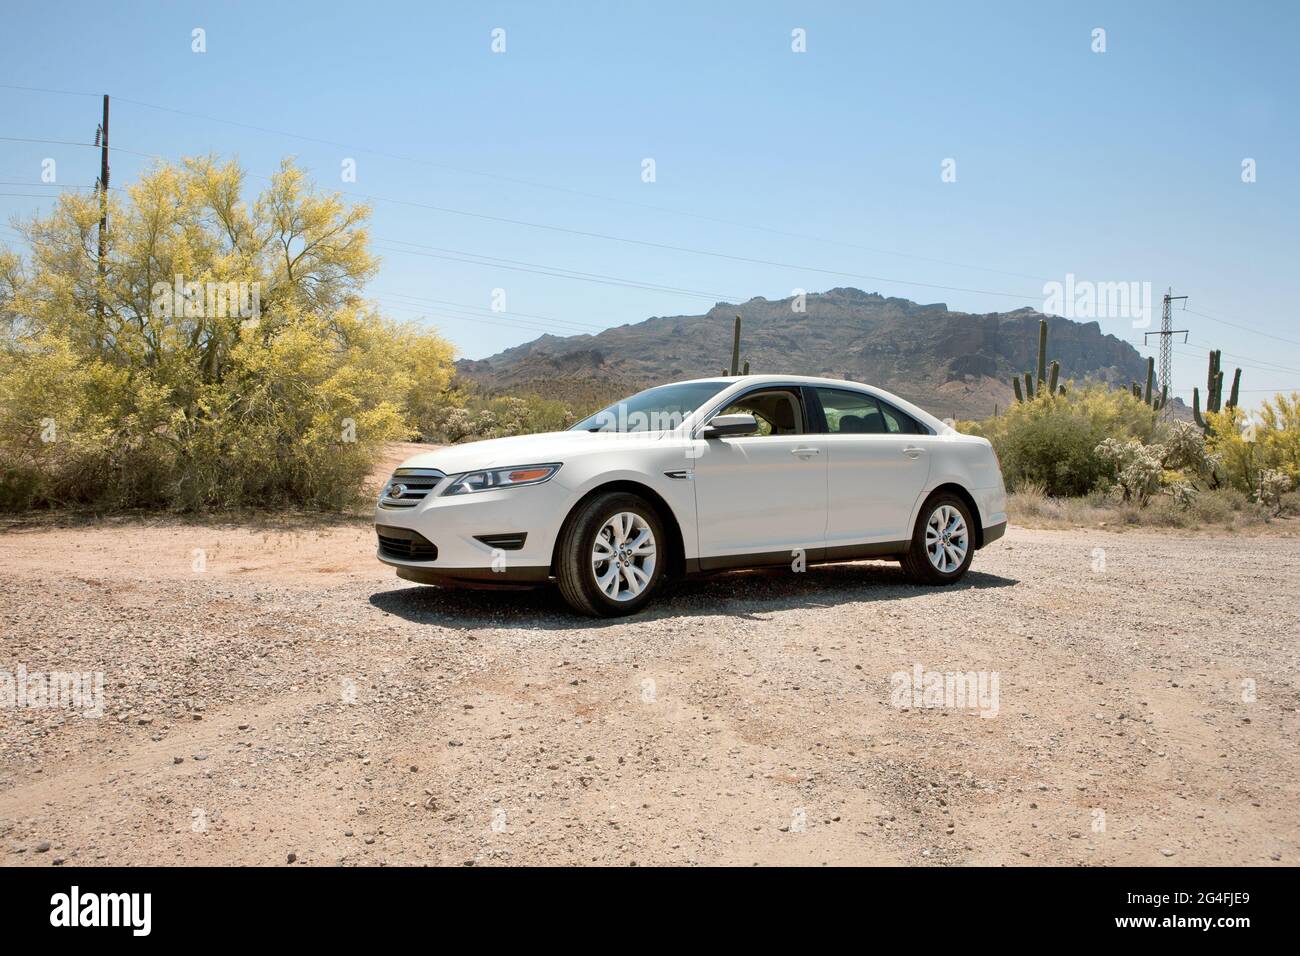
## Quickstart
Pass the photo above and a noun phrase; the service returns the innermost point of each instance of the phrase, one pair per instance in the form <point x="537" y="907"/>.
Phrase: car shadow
<point x="744" y="594"/>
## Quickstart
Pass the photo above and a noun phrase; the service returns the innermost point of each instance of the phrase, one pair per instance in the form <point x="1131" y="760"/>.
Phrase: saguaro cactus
<point x="1042" y="353"/>
<point x="735" y="353"/>
<point x="1214" y="390"/>
<point x="1044" y="382"/>
<point x="735" y="348"/>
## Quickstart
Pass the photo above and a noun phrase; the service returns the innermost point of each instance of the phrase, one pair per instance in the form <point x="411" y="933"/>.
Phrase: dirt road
<point x="277" y="693"/>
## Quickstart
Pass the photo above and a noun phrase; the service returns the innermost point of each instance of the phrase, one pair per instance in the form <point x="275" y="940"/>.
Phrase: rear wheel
<point x="610" y="561"/>
<point x="943" y="542"/>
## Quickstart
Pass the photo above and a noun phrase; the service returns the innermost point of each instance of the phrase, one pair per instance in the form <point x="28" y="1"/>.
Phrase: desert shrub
<point x="1052" y="440"/>
<point x="502" y="417"/>
<point x="1247" y="449"/>
<point x="1031" y="498"/>
<point x="1218" y="506"/>
<point x="120" y="393"/>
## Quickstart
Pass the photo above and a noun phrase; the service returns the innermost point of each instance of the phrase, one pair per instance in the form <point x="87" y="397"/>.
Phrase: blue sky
<point x="1115" y="166"/>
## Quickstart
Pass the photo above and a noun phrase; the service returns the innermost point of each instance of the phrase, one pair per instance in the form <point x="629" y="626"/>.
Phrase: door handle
<point x="805" y="451"/>
<point x="913" y="451"/>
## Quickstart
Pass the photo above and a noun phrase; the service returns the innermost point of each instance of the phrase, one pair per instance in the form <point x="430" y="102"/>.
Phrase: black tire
<point x="574" y="568"/>
<point x="916" y="562"/>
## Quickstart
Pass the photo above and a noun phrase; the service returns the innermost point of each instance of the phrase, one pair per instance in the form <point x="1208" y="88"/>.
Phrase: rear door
<point x="879" y="462"/>
<point x="761" y="499"/>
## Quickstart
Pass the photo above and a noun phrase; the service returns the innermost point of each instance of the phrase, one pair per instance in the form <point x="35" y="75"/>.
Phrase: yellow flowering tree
<point x="223" y="354"/>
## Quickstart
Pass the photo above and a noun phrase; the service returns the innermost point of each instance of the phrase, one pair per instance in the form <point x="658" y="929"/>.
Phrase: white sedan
<point x="693" y="478"/>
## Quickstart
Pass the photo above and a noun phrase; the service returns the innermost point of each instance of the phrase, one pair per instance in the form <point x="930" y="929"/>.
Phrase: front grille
<point x="409" y="486"/>
<point x="404" y="544"/>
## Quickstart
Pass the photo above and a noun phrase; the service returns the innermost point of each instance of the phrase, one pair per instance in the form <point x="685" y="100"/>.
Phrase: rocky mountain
<point x="951" y="363"/>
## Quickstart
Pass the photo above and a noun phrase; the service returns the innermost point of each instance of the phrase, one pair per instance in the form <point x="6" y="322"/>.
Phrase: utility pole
<point x="101" y="186"/>
<point x="1166" y="333"/>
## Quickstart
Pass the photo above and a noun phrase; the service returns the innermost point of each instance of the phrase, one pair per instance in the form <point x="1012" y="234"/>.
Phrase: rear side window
<point x="856" y="413"/>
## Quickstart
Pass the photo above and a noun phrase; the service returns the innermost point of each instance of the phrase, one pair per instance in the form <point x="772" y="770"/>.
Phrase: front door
<point x="761" y="499"/>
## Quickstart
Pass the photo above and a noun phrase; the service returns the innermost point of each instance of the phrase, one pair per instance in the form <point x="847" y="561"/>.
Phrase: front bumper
<point x="452" y="528"/>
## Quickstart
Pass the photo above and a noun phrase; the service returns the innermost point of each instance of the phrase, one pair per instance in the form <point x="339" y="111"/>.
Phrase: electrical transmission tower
<point x="1166" y="333"/>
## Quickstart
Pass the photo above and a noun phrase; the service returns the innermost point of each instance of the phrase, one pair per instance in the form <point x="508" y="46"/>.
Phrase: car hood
<point x="536" y="449"/>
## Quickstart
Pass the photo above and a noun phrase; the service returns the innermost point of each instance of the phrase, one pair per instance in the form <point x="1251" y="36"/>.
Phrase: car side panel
<point x="971" y="464"/>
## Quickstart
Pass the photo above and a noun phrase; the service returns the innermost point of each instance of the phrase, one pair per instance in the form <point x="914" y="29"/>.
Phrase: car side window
<point x="856" y="413"/>
<point x="851" y="413"/>
<point x="901" y="423"/>
<point x="777" y="411"/>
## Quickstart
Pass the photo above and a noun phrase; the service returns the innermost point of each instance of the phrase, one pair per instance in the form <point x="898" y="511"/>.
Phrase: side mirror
<point x="730" y="426"/>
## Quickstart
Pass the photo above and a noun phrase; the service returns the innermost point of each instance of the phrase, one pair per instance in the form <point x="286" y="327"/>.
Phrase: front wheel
<point x="610" y="558"/>
<point x="943" y="542"/>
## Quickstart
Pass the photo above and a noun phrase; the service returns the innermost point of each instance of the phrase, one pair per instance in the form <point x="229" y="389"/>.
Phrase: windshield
<point x="655" y="409"/>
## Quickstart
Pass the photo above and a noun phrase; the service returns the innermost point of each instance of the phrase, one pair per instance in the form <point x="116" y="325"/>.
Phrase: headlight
<point x="473" y="481"/>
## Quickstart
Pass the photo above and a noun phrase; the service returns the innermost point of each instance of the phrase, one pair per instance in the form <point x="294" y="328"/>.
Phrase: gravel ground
<point x="275" y="696"/>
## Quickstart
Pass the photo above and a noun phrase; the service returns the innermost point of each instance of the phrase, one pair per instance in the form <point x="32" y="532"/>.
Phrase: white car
<point x="693" y="478"/>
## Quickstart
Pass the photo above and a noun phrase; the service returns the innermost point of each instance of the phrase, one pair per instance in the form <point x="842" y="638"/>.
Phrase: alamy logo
<point x="618" y="418"/>
<point x="103" y="909"/>
<point x="206" y="300"/>
<point x="973" y="690"/>
<point x="1082" y="299"/>
<point x="56" y="690"/>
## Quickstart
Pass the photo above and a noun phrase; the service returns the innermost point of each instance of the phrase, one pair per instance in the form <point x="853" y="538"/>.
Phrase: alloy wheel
<point x="946" y="539"/>
<point x="623" y="556"/>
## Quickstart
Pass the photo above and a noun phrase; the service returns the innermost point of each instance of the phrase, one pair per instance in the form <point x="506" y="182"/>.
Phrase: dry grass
<point x="1222" y="509"/>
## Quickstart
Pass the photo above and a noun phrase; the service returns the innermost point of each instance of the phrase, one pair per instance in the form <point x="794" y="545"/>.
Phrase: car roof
<point x="916" y="411"/>
<point x="761" y="379"/>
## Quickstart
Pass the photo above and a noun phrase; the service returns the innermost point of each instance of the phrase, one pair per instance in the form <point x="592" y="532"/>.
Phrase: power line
<point x="475" y="310"/>
<point x="38" y="89"/>
<point x="565" y="189"/>
<point x="517" y="326"/>
<point x="1244" y="328"/>
<point x="685" y="249"/>
<point x="1257" y="368"/>
<point x="570" y="190"/>
<point x="517" y="265"/>
<point x="656" y="245"/>
<point x="558" y="272"/>
<point x="1264" y="364"/>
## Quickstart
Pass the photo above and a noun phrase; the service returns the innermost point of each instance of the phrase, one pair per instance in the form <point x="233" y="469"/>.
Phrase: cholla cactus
<point x="1138" y="467"/>
<point x="1183" y="447"/>
<point x="1183" y="492"/>
<point x="1273" y="484"/>
<point x="457" y="425"/>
